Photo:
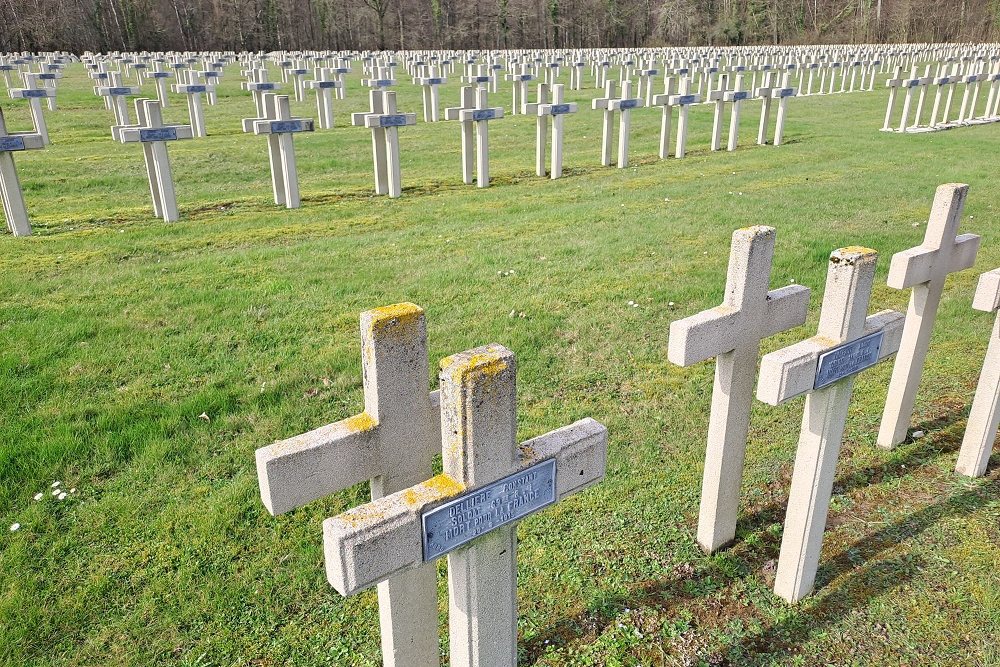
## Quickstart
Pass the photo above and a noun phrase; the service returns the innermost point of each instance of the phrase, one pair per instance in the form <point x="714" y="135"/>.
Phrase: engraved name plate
<point x="628" y="104"/>
<point x="503" y="502"/>
<point x="119" y="91"/>
<point x="282" y="126"/>
<point x="398" y="120"/>
<point x="195" y="89"/>
<point x="484" y="114"/>
<point x="848" y="359"/>
<point x="686" y="99"/>
<point x="263" y="86"/>
<point x="740" y="95"/>
<point x="326" y="84"/>
<point x="34" y="92"/>
<point x="787" y="92"/>
<point x="158" y="134"/>
<point x="11" y="144"/>
<point x="560" y="109"/>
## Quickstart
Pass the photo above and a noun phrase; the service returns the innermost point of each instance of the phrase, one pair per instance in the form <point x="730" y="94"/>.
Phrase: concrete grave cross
<point x="984" y="419"/>
<point x="718" y="96"/>
<point x="384" y="122"/>
<point x="431" y="93"/>
<point x="684" y="100"/>
<point x="557" y="111"/>
<point x="14" y="210"/>
<point x="924" y="269"/>
<point x="469" y="512"/>
<point x="382" y="79"/>
<point x="732" y="333"/>
<point x="280" y="127"/>
<point x="196" y="113"/>
<point x="257" y="84"/>
<point x="34" y="94"/>
<point x="519" y="88"/>
<point x="474" y="115"/>
<point x="667" y="115"/>
<point x="541" y="125"/>
<point x="824" y="368"/>
<point x="48" y="77"/>
<point x="782" y="94"/>
<point x="766" y="94"/>
<point x="160" y="82"/>
<point x="154" y="135"/>
<point x="116" y="95"/>
<point x="324" y="84"/>
<point x="736" y="97"/>
<point x="893" y="84"/>
<point x="622" y="105"/>
<point x="391" y="445"/>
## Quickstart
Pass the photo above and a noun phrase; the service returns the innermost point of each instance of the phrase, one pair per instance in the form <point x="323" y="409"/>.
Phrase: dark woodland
<point x="254" y="25"/>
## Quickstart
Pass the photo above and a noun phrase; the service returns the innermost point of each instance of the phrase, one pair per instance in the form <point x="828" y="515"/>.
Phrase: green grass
<point x="118" y="330"/>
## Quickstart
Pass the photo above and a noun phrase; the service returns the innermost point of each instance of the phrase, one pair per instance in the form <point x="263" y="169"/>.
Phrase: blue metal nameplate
<point x="625" y="105"/>
<point x="195" y="89"/>
<point x="11" y="144"/>
<point x="298" y="71"/>
<point x="480" y="79"/>
<point x="119" y="91"/>
<point x="913" y="83"/>
<point x="6" y="68"/>
<point x="398" y="120"/>
<point x="484" y="114"/>
<point x="381" y="83"/>
<point x="34" y="92"/>
<point x="282" y="126"/>
<point x="559" y="109"/>
<point x="786" y="92"/>
<point x="326" y="84"/>
<point x="434" y="81"/>
<point x="501" y="503"/>
<point x="139" y="66"/>
<point x="158" y="134"/>
<point x="686" y="99"/>
<point x="264" y="86"/>
<point x="160" y="75"/>
<point x="49" y="77"/>
<point x="848" y="359"/>
<point x="740" y="95"/>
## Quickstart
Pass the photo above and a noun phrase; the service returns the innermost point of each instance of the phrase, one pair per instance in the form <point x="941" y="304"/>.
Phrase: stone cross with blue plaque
<point x="278" y="125"/>
<point x="474" y="115"/>
<point x="384" y="122"/>
<point x="14" y="208"/>
<point x="823" y="368"/>
<point x="469" y="512"/>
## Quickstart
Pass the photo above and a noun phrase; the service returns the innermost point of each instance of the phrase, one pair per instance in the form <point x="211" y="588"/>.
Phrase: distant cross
<point x="154" y="135"/>
<point x="34" y="94"/>
<point x="782" y="94"/>
<point x="493" y="483"/>
<point x="519" y="89"/>
<point x="280" y="128"/>
<point x="924" y="269"/>
<point x="431" y="87"/>
<point x="474" y="115"/>
<point x="732" y="333"/>
<point x="14" y="209"/>
<point x="736" y="97"/>
<point x="160" y="81"/>
<point x="824" y="368"/>
<point x="718" y="96"/>
<point x="325" y="85"/>
<point x="684" y="100"/>
<point x="667" y="116"/>
<point x="117" y="94"/>
<point x="382" y="79"/>
<point x="48" y="75"/>
<point x="766" y="94"/>
<point x="391" y="445"/>
<point x="196" y="113"/>
<point x="557" y="111"/>
<point x="384" y="122"/>
<point x="257" y="84"/>
<point x="984" y="419"/>
<point x="623" y="105"/>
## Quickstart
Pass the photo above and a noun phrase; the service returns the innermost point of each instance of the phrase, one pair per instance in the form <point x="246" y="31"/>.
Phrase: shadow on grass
<point x="689" y="584"/>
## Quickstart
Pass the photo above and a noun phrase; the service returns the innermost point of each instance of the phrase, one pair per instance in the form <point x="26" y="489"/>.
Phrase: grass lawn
<point x="117" y="331"/>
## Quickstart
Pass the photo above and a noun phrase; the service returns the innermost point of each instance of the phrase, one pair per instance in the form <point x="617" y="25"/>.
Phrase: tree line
<point x="254" y="25"/>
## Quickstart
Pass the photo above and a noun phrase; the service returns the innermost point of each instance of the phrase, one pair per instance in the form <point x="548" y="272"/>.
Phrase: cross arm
<point x="372" y="542"/>
<point x="492" y="113"/>
<point x="988" y="292"/>
<point x="704" y="335"/>
<point x="790" y="372"/>
<point x="787" y="308"/>
<point x="294" y="472"/>
<point x="916" y="265"/>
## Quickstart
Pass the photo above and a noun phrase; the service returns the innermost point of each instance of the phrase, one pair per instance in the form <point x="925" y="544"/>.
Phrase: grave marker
<point x="623" y="105"/>
<point x="280" y="128"/>
<point x="474" y="115"/>
<point x="14" y="210"/>
<point x="557" y="111"/>
<point x="384" y="123"/>
<point x="823" y="368"/>
<point x="34" y="94"/>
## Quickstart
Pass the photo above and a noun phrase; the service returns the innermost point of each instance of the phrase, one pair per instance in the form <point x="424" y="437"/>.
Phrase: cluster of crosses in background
<point x="489" y="482"/>
<point x="724" y="78"/>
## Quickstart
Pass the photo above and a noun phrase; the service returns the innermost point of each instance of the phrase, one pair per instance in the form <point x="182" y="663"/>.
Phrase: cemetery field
<point x="143" y="362"/>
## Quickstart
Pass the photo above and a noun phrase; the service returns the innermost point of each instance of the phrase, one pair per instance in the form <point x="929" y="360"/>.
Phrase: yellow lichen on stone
<point x="381" y="319"/>
<point x="359" y="423"/>
<point x="853" y="254"/>
<point x="486" y="364"/>
<point x="436" y="488"/>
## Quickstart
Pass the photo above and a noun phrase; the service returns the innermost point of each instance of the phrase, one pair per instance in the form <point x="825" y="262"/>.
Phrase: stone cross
<point x="491" y="483"/>
<point x="280" y="128"/>
<point x="431" y="85"/>
<point x="392" y="445"/>
<point x="48" y="79"/>
<point x="541" y="125"/>
<point x="383" y="79"/>
<point x="297" y="75"/>
<point x="196" y="113"/>
<point x="736" y="97"/>
<point x="324" y="86"/>
<point x="924" y="269"/>
<point x="667" y="115"/>
<point x="519" y="89"/>
<point x="14" y="210"/>
<point x="782" y="94"/>
<point x="622" y="105"/>
<point x="732" y="333"/>
<point x="210" y="75"/>
<point x="257" y="84"/>
<point x="684" y="100"/>
<point x="384" y="122"/>
<point x="556" y="110"/>
<point x="474" y="115"/>
<point x="154" y="135"/>
<point x="984" y="419"/>
<point x="116" y="95"/>
<point x="34" y="94"/>
<point x="824" y="367"/>
<point x="718" y="96"/>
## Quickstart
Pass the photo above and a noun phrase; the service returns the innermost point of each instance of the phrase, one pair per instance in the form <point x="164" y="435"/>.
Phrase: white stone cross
<point x="474" y="116"/>
<point x="984" y="419"/>
<point x="116" y="95"/>
<point x="667" y="115"/>
<point x="154" y="135"/>
<point x="196" y="113"/>
<point x="14" y="210"/>
<point x="383" y="79"/>
<point x="924" y="269"/>
<point x="519" y="89"/>
<point x="431" y="89"/>
<point x="732" y="333"/>
<point x="610" y="104"/>
<point x="824" y="368"/>
<point x="491" y="483"/>
<point x="257" y="84"/>
<point x="718" y="96"/>
<point x="34" y="94"/>
<point x="324" y="85"/>
<point x="557" y="111"/>
<point x="782" y="94"/>
<point x="736" y="97"/>
<point x="384" y="122"/>
<point x="684" y="100"/>
<point x="48" y="79"/>
<point x="280" y="128"/>
<point x="392" y="445"/>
